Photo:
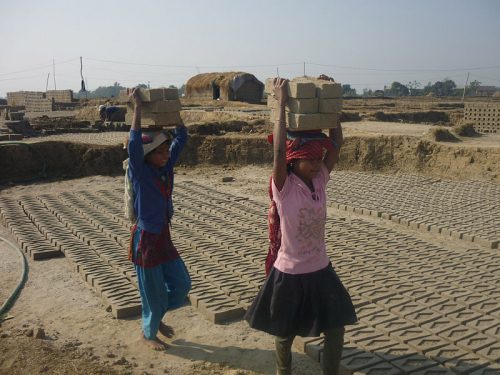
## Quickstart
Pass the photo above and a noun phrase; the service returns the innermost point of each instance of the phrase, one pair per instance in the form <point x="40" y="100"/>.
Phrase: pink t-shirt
<point x="302" y="223"/>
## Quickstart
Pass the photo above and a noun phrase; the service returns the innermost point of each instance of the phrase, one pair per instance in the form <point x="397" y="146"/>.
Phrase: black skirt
<point x="302" y="305"/>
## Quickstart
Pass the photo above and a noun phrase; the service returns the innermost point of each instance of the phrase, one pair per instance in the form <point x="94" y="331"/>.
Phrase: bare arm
<point x="332" y="157"/>
<point x="279" y="134"/>
<point x="136" y="121"/>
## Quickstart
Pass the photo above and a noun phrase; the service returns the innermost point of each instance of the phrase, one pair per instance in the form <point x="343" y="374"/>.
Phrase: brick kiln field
<point x="418" y="253"/>
<point x="423" y="268"/>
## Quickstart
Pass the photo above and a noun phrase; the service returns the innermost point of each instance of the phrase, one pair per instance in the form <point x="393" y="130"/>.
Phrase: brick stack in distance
<point x="312" y="103"/>
<point x="161" y="108"/>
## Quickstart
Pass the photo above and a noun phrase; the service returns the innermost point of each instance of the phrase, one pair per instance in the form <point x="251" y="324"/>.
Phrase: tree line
<point x="446" y="87"/>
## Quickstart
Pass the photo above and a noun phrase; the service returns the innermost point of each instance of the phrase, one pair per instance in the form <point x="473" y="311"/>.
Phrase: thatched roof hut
<point x="238" y="86"/>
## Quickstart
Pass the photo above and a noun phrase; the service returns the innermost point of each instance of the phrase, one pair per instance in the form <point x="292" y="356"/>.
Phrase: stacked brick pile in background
<point x="161" y="107"/>
<point x="484" y="116"/>
<point x="60" y="96"/>
<point x="19" y="98"/>
<point x="39" y="105"/>
<point x="37" y="101"/>
<point x="312" y="103"/>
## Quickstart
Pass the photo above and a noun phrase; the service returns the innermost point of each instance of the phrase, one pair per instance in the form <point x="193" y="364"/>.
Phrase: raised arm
<point x="332" y="157"/>
<point x="135" y="150"/>
<point x="279" y="134"/>
<point x="178" y="143"/>
<point x="136" y="99"/>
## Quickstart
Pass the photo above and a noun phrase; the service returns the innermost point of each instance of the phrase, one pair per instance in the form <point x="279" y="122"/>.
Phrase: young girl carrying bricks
<point x="302" y="294"/>
<point x="163" y="279"/>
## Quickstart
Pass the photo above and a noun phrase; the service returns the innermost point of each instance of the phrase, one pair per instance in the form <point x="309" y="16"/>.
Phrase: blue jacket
<point x="151" y="208"/>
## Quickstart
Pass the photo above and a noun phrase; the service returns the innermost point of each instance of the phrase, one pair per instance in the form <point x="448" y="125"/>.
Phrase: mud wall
<point x="25" y="162"/>
<point x="413" y="155"/>
<point x="392" y="154"/>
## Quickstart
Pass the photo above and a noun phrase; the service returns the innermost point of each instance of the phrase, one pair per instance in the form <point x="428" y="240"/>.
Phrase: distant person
<point x="109" y="113"/>
<point x="163" y="278"/>
<point x="302" y="294"/>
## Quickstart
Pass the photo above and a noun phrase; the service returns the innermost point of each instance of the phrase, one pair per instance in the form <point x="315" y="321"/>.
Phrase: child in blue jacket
<point x="163" y="279"/>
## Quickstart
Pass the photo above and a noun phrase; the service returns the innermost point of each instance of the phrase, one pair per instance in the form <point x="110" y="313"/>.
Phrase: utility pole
<point x="47" y="83"/>
<point x="304" y="68"/>
<point x="54" y="73"/>
<point x="465" y="87"/>
<point x="82" y="88"/>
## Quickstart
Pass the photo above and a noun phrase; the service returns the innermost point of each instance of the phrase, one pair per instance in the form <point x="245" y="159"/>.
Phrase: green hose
<point x="22" y="280"/>
<point x="42" y="173"/>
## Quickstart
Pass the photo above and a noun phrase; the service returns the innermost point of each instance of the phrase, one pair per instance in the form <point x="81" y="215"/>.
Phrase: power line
<point x="38" y="67"/>
<point x="192" y="66"/>
<point x="408" y="70"/>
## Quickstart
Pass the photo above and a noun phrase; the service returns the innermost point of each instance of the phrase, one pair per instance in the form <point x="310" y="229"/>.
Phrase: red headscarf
<point x="297" y="148"/>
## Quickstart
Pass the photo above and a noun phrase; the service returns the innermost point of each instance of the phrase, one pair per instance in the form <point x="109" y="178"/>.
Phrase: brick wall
<point x="484" y="116"/>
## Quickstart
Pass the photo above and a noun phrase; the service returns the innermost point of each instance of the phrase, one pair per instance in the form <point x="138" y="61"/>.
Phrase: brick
<point x="304" y="89"/>
<point x="491" y="352"/>
<point x="301" y="89"/>
<point x="330" y="105"/>
<point x="428" y="343"/>
<point x="361" y="361"/>
<point x="445" y="353"/>
<point x="313" y="348"/>
<point x="328" y="90"/>
<point x="152" y="95"/>
<point x="312" y="121"/>
<point x="467" y="363"/>
<point x="126" y="310"/>
<point x="156" y="119"/>
<point x="161" y="106"/>
<point x="294" y="105"/>
<point x="475" y="342"/>
<point x="221" y="311"/>
<point x="415" y="362"/>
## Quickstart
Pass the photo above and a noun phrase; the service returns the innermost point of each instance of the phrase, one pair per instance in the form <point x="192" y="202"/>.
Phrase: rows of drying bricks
<point x="422" y="307"/>
<point x="468" y="210"/>
<point x="48" y="226"/>
<point x="103" y="139"/>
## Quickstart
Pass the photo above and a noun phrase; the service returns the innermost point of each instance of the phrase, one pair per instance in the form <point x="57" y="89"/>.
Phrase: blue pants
<point x="163" y="288"/>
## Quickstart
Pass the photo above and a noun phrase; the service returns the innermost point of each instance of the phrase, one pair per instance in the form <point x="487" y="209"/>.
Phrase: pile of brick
<point x="312" y="103"/>
<point x="484" y="116"/>
<point x="18" y="98"/>
<point x="161" y="108"/>
<point x="12" y="124"/>
<point x="60" y="96"/>
<point x="39" y="105"/>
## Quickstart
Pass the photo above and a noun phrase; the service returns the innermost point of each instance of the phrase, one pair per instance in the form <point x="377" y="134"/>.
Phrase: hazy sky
<point x="366" y="43"/>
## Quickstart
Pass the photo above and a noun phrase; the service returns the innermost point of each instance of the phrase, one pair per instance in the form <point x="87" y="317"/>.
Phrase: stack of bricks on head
<point x="312" y="103"/>
<point x="160" y="108"/>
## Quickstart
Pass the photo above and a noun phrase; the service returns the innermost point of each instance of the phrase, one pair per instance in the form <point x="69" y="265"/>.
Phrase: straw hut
<point x="237" y="86"/>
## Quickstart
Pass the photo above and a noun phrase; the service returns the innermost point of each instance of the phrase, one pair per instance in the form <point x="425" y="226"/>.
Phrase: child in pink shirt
<point x="302" y="294"/>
